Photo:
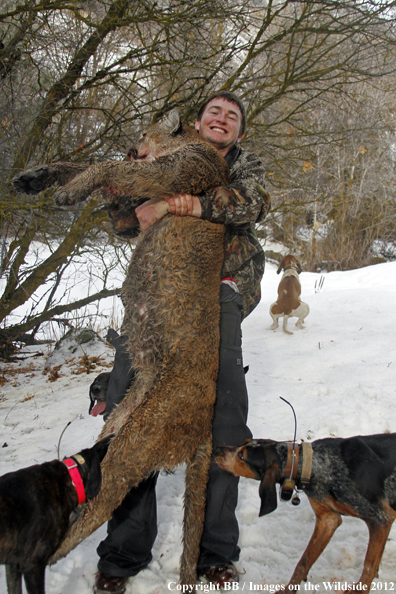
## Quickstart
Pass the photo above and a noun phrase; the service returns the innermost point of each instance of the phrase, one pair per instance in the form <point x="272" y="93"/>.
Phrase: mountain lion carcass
<point x="171" y="297"/>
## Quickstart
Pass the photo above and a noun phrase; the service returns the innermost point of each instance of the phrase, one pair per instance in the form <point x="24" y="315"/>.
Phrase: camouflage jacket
<point x="240" y="205"/>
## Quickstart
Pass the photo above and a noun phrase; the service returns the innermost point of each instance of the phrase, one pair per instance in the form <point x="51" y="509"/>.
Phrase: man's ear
<point x="240" y="137"/>
<point x="267" y="490"/>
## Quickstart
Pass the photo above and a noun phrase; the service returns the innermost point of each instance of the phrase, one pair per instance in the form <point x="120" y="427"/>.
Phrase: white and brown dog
<point x="289" y="303"/>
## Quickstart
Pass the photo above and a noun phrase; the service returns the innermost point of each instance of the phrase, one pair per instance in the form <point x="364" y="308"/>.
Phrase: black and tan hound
<point x="352" y="477"/>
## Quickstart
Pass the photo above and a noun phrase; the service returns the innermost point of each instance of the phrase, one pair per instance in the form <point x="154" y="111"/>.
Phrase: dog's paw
<point x="31" y="181"/>
<point x="68" y="197"/>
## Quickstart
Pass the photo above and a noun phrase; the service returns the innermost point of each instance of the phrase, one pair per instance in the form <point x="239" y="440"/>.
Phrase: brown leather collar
<point x="293" y="459"/>
<point x="306" y="471"/>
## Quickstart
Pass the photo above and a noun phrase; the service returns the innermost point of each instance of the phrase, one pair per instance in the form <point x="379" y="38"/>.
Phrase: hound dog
<point x="35" y="508"/>
<point x="289" y="303"/>
<point x="100" y="403"/>
<point x="97" y="394"/>
<point x="352" y="477"/>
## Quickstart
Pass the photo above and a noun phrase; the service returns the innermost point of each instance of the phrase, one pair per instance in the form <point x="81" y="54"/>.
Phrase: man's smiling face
<point x="220" y="124"/>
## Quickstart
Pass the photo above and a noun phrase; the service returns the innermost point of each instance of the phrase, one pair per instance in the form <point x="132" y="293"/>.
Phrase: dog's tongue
<point x="99" y="408"/>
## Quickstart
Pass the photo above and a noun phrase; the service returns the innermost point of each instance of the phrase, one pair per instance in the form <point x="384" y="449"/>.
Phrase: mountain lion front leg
<point x="37" y="179"/>
<point x="110" y="175"/>
<point x="139" y="180"/>
<point x="186" y="171"/>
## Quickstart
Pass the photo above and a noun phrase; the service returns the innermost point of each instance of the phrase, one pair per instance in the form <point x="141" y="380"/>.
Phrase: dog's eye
<point x="240" y="455"/>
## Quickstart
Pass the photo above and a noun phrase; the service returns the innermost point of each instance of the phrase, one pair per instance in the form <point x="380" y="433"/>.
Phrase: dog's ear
<point x="267" y="490"/>
<point x="281" y="266"/>
<point x="299" y="268"/>
<point x="94" y="481"/>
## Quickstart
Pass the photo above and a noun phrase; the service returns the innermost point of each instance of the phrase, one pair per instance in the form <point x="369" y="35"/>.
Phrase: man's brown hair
<point x="228" y="96"/>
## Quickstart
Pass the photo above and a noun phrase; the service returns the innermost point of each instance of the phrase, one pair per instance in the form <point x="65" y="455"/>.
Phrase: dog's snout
<point x="223" y="450"/>
<point x="218" y="451"/>
<point x="95" y="390"/>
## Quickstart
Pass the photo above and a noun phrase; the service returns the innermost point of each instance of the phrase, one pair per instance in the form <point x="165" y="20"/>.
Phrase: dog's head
<point x="97" y="394"/>
<point x="92" y="459"/>
<point x="289" y="261"/>
<point x="257" y="459"/>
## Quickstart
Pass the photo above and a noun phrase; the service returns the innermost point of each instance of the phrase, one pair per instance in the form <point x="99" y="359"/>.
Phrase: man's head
<point x="222" y="120"/>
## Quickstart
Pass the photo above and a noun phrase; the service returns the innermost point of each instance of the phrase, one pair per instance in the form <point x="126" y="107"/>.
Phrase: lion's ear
<point x="171" y="123"/>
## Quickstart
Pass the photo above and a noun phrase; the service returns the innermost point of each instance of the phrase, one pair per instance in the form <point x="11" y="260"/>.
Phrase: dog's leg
<point x="284" y="327"/>
<point x="194" y="511"/>
<point x="327" y="521"/>
<point x="302" y="311"/>
<point x="375" y="549"/>
<point x="14" y="579"/>
<point x="274" y="317"/>
<point x="35" y="578"/>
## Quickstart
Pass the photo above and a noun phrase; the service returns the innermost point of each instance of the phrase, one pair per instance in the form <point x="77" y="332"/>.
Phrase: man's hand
<point x="185" y="204"/>
<point x="150" y="212"/>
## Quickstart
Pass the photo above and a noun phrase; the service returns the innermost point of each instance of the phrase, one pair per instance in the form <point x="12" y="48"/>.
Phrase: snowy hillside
<point x="340" y="375"/>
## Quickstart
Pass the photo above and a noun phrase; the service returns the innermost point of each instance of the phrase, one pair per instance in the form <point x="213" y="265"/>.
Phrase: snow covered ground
<point x="340" y="375"/>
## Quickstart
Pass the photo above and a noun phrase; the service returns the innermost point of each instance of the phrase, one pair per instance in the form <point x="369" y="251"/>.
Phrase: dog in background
<point x="122" y="375"/>
<point x="289" y="303"/>
<point x="97" y="394"/>
<point x="35" y="508"/>
<point x="352" y="477"/>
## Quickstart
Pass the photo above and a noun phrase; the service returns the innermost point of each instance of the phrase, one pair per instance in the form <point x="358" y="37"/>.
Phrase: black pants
<point x="133" y="528"/>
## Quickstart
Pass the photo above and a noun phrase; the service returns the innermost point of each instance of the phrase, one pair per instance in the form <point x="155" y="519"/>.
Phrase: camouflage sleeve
<point x="244" y="201"/>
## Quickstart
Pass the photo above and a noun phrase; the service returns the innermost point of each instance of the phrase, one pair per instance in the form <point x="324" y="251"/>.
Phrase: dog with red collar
<point x="36" y="504"/>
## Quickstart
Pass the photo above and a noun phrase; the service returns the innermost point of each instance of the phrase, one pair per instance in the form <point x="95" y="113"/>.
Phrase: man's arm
<point x="185" y="204"/>
<point x="243" y="201"/>
<point x="152" y="211"/>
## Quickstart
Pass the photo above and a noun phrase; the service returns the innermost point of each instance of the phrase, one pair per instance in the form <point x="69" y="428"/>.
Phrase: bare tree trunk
<point x="16" y="294"/>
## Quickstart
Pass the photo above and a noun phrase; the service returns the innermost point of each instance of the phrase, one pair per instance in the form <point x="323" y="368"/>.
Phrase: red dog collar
<point x="75" y="476"/>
